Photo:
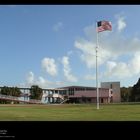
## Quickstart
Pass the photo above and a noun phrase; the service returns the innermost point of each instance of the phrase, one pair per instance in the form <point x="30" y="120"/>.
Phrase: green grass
<point x="70" y="112"/>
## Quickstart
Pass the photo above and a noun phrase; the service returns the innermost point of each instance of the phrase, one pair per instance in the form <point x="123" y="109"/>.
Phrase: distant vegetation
<point x="11" y="91"/>
<point x="131" y="94"/>
<point x="36" y="93"/>
<point x="126" y="94"/>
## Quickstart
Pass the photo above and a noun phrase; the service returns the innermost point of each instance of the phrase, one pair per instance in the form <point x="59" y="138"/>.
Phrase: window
<point x="102" y="100"/>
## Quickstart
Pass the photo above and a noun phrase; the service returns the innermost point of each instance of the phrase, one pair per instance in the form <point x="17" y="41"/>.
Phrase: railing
<point x="9" y="97"/>
<point x="64" y="101"/>
<point x="35" y="101"/>
<point x="14" y="98"/>
<point x="61" y="96"/>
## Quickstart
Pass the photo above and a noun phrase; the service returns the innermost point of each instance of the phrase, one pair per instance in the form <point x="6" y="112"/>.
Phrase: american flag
<point x="103" y="26"/>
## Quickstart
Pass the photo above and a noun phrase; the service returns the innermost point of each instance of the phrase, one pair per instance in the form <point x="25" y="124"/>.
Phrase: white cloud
<point x="48" y="64"/>
<point x="40" y="81"/>
<point x="119" y="70"/>
<point x="58" y="26"/>
<point x="88" y="54"/>
<point x="67" y="70"/>
<point x="124" y="69"/>
<point x="121" y="24"/>
<point x="112" y="48"/>
<point x="110" y="66"/>
<point x="90" y="77"/>
<point x="135" y="64"/>
<point x="30" y="78"/>
<point x="43" y="83"/>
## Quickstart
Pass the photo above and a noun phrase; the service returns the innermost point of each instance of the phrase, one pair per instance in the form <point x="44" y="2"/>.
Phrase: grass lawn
<point x="70" y="112"/>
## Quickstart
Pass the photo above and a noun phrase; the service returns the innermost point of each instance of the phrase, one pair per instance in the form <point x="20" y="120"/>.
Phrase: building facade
<point x="81" y="94"/>
<point x="114" y="89"/>
<point x="109" y="92"/>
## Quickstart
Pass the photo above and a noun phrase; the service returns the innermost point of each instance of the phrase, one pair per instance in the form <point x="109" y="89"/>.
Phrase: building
<point x="114" y="89"/>
<point x="82" y="94"/>
<point x="108" y="92"/>
<point x="50" y="95"/>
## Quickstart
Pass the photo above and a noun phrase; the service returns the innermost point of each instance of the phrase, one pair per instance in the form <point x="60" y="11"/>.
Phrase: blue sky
<point x="54" y="45"/>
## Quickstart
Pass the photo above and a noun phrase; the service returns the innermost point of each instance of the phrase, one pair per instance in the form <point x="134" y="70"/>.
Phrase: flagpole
<point x="104" y="25"/>
<point x="97" y="89"/>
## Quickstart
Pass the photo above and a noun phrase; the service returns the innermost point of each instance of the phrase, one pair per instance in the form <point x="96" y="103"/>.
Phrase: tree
<point x="5" y="91"/>
<point x="136" y="91"/>
<point x="126" y="94"/>
<point x="36" y="92"/>
<point x="12" y="91"/>
<point x="16" y="92"/>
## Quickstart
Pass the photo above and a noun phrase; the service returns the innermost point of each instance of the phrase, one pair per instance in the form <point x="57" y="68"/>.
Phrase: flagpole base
<point x="97" y="105"/>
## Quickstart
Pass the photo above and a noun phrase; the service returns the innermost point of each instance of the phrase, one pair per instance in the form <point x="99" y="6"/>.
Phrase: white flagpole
<point x="97" y="89"/>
